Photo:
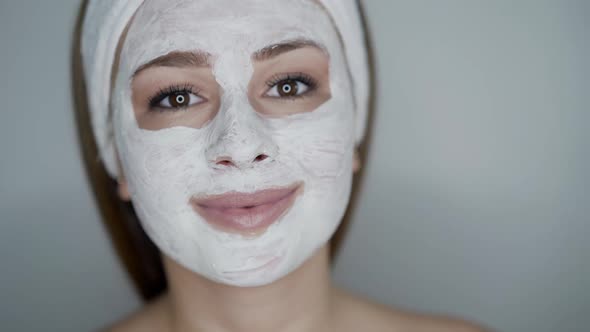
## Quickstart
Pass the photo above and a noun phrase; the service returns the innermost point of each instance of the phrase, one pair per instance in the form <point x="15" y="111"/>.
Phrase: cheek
<point x="320" y="143"/>
<point x="167" y="158"/>
<point x="168" y="164"/>
<point x="324" y="156"/>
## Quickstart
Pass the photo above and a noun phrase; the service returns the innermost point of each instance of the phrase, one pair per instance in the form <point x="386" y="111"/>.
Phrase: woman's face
<point x="234" y="125"/>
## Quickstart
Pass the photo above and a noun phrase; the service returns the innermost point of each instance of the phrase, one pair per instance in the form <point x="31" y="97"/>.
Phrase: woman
<point x="232" y="127"/>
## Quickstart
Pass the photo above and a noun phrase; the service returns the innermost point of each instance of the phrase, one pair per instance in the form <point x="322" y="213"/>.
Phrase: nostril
<point x="229" y="162"/>
<point x="225" y="162"/>
<point x="260" y="157"/>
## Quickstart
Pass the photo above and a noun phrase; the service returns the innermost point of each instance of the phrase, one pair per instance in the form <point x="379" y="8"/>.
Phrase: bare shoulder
<point x="358" y="314"/>
<point x="150" y="318"/>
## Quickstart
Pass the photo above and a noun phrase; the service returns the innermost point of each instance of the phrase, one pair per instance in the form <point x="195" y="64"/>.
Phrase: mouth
<point x="246" y="213"/>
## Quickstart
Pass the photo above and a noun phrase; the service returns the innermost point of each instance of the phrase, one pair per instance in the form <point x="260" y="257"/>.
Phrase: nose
<point x="242" y="143"/>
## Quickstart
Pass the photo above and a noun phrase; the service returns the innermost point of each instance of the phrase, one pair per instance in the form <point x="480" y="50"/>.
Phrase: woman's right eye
<point x="175" y="97"/>
<point x="180" y="99"/>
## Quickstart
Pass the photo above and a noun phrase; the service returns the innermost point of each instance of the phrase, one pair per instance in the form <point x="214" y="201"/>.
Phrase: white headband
<point x="105" y="21"/>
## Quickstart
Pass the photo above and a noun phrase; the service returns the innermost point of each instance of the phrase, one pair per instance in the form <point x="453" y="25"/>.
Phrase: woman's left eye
<point x="180" y="99"/>
<point x="288" y="88"/>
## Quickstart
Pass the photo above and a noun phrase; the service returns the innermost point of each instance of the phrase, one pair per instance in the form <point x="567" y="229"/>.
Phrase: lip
<point x="246" y="213"/>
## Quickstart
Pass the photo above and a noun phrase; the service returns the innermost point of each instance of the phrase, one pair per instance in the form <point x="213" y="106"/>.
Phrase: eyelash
<point x="301" y="77"/>
<point x="164" y="93"/>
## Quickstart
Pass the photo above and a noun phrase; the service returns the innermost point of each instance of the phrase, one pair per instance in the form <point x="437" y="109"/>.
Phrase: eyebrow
<point x="274" y="50"/>
<point x="177" y="59"/>
<point x="201" y="59"/>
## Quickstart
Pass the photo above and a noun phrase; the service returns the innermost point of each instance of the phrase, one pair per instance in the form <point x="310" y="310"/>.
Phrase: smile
<point x="246" y="213"/>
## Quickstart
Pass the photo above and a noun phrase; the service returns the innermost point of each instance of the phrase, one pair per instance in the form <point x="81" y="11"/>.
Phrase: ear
<point x="122" y="187"/>
<point x="356" y="161"/>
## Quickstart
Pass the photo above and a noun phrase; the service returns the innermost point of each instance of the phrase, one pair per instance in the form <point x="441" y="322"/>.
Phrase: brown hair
<point x="136" y="251"/>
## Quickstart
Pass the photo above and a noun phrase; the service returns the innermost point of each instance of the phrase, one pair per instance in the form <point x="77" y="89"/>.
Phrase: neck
<point x="300" y="301"/>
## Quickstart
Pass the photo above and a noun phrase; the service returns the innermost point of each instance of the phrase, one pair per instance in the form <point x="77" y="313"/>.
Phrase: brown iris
<point x="179" y="99"/>
<point x="288" y="88"/>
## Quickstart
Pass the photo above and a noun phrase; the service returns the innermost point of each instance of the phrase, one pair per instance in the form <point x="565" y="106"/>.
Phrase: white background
<point x="476" y="200"/>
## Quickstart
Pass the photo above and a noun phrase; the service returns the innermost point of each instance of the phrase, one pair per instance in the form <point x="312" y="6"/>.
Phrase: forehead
<point x="217" y="27"/>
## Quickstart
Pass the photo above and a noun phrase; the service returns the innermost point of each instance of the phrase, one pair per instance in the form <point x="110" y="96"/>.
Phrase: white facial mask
<point x="166" y="167"/>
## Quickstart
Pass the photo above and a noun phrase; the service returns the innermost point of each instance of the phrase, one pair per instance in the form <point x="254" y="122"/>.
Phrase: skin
<point x="304" y="300"/>
<point x="168" y="167"/>
<point x="185" y="67"/>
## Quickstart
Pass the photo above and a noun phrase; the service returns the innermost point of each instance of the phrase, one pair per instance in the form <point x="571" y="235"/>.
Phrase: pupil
<point x="179" y="100"/>
<point x="288" y="88"/>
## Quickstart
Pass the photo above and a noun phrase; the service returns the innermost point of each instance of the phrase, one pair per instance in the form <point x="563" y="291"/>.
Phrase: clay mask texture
<point x="164" y="168"/>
